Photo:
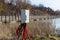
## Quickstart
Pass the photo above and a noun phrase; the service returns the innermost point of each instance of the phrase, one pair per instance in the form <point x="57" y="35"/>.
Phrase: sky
<point x="54" y="4"/>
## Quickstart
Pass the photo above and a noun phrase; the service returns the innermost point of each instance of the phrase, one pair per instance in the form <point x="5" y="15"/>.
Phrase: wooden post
<point x="1" y="18"/>
<point x="12" y="17"/>
<point x="9" y="18"/>
<point x="18" y="16"/>
<point x="5" y="19"/>
<point x="15" y="17"/>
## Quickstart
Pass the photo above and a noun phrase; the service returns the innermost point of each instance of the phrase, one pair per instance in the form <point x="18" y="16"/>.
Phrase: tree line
<point x="9" y="9"/>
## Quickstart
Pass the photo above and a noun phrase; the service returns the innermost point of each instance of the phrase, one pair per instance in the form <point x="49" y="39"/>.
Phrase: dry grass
<point x="8" y="30"/>
<point x="34" y="28"/>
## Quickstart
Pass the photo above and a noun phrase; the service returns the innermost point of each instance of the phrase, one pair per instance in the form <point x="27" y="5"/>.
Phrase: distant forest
<point x="9" y="9"/>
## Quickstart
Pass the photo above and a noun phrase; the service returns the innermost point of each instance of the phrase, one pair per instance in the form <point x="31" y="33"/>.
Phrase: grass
<point x="7" y="31"/>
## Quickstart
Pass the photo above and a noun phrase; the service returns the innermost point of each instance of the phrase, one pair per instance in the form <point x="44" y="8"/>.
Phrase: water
<point x="57" y="22"/>
<point x="57" y="25"/>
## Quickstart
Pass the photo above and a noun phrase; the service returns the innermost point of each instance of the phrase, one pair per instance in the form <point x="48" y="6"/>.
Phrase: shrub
<point x="53" y="34"/>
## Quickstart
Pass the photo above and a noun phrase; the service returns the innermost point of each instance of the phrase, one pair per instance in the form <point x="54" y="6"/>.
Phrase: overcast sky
<point x="54" y="4"/>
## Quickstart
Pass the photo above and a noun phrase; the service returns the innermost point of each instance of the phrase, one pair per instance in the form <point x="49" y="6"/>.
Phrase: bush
<point x="53" y="34"/>
<point x="52" y="39"/>
<point x="43" y="38"/>
<point x="57" y="35"/>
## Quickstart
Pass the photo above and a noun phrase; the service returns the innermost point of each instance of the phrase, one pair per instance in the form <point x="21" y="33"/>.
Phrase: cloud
<point x="54" y="4"/>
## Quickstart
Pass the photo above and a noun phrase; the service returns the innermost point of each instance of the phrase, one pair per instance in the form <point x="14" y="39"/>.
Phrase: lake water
<point x="57" y="22"/>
